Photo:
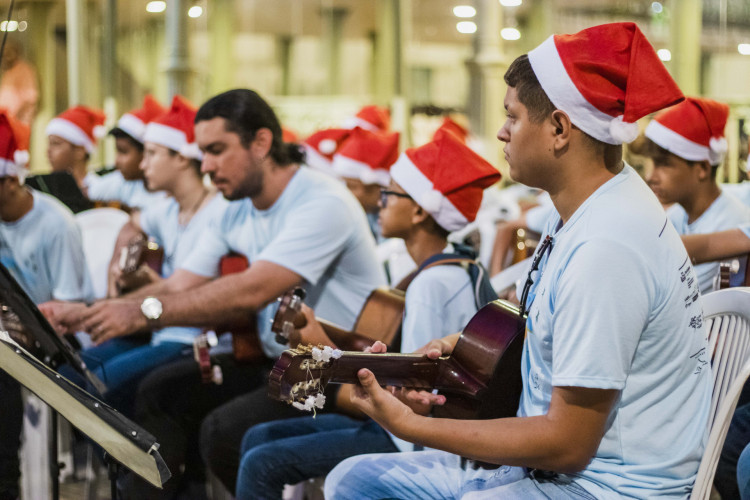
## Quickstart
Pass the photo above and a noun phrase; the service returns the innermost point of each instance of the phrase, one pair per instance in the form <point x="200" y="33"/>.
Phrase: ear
<point x="79" y="153"/>
<point x="262" y="141"/>
<point x="703" y="170"/>
<point x="561" y="129"/>
<point x="419" y="215"/>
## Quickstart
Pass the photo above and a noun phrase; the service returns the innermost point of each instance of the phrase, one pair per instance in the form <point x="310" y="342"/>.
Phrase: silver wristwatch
<point x="151" y="308"/>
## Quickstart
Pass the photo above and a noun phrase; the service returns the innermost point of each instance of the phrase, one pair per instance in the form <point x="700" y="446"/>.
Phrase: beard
<point x="250" y="187"/>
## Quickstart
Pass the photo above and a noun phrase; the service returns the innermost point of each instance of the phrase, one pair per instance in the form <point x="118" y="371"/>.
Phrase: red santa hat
<point x="289" y="135"/>
<point x="445" y="178"/>
<point x="451" y="126"/>
<point x="605" y="78"/>
<point x="79" y="125"/>
<point x="134" y="122"/>
<point x="372" y="118"/>
<point x="14" y="147"/>
<point x="175" y="129"/>
<point x="367" y="156"/>
<point x="692" y="130"/>
<point x="322" y="145"/>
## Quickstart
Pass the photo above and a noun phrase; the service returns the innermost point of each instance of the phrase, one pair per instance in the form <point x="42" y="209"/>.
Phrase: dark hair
<point x="520" y="75"/>
<point x="119" y="133"/>
<point x="245" y="113"/>
<point x="653" y="150"/>
<point x="196" y="164"/>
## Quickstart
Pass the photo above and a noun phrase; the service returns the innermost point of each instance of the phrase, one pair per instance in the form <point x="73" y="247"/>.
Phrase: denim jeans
<point x="438" y="475"/>
<point x="738" y="436"/>
<point x="292" y="450"/>
<point x="121" y="363"/>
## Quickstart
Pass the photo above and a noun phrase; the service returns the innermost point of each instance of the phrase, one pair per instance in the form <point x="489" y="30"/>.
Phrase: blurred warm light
<point x="744" y="49"/>
<point x="195" y="11"/>
<point x="656" y="7"/>
<point x="464" y="11"/>
<point x="156" y="6"/>
<point x="664" y="54"/>
<point x="510" y="3"/>
<point x="466" y="27"/>
<point x="510" y="34"/>
<point x="9" y="26"/>
<point x="22" y="26"/>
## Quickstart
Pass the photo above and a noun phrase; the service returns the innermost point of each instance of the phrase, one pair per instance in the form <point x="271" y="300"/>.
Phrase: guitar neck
<point x="400" y="370"/>
<point x="344" y="339"/>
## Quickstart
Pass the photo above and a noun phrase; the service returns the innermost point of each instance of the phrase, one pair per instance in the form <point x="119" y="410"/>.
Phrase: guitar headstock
<point x="299" y="375"/>
<point x="288" y="317"/>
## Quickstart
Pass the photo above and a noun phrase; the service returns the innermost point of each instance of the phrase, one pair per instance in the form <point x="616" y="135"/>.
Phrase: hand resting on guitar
<point x="311" y="333"/>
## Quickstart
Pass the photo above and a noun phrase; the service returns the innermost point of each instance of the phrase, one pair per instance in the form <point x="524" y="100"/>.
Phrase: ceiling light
<point x="744" y="49"/>
<point x="156" y="6"/>
<point x="510" y="3"/>
<point x="9" y="26"/>
<point x="466" y="27"/>
<point x="656" y="7"/>
<point x="510" y="34"/>
<point x="464" y="11"/>
<point x="22" y="26"/>
<point x="195" y="11"/>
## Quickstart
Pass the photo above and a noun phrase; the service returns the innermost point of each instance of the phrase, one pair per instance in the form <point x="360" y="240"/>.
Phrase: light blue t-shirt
<point x="316" y="229"/>
<point x="114" y="187"/>
<point x="726" y="212"/>
<point x="160" y="222"/>
<point x="616" y="305"/>
<point x="43" y="252"/>
<point x="741" y="191"/>
<point x="438" y="302"/>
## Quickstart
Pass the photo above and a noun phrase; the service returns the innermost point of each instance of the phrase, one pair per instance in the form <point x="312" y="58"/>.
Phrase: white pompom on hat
<point x="320" y="147"/>
<point x="604" y="78"/>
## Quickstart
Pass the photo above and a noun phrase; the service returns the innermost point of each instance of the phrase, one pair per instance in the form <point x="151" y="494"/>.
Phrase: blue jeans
<point x="439" y="475"/>
<point x="743" y="473"/>
<point x="292" y="450"/>
<point x="121" y="363"/>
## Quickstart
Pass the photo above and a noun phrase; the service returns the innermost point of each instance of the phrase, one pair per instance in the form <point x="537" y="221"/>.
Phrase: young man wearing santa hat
<point x="72" y="136"/>
<point x="616" y="381"/>
<point x="40" y="245"/>
<point x="125" y="185"/>
<point x="434" y="189"/>
<point x="686" y="143"/>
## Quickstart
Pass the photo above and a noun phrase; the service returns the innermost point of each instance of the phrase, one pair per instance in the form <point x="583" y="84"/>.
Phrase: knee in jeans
<point x="255" y="436"/>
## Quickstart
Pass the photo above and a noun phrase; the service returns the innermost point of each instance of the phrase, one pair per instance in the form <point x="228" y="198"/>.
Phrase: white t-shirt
<point x="114" y="187"/>
<point x="726" y="212"/>
<point x="617" y="306"/>
<point x="43" y="252"/>
<point x="160" y="222"/>
<point x="740" y="191"/>
<point x="316" y="229"/>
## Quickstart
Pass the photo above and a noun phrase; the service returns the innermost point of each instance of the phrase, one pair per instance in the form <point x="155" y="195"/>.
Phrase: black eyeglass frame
<point x="384" y="193"/>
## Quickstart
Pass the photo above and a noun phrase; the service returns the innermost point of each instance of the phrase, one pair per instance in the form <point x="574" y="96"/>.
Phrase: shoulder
<point x="438" y="281"/>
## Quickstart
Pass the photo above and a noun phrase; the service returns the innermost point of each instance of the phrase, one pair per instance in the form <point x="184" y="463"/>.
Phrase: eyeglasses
<point x="540" y="251"/>
<point x="384" y="193"/>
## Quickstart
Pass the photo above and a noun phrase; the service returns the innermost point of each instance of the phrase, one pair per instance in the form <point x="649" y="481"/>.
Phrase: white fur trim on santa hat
<point x="163" y="135"/>
<point x="11" y="169"/>
<point x="347" y="167"/>
<point x="191" y="150"/>
<point x="356" y="121"/>
<point x="327" y="146"/>
<point x="70" y="132"/>
<point x="673" y="142"/>
<point x="421" y="189"/>
<point x="557" y="84"/>
<point x="132" y="125"/>
<point x="623" y="132"/>
<point x="314" y="159"/>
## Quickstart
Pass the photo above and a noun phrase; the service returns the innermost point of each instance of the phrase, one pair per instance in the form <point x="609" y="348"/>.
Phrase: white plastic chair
<point x="99" y="230"/>
<point x="727" y="316"/>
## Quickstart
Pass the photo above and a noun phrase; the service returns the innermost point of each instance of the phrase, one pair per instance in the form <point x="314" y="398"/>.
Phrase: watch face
<point x="151" y="308"/>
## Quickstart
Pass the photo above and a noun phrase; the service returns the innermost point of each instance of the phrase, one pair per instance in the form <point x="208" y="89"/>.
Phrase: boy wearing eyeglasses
<point x="433" y="190"/>
<point x="616" y="377"/>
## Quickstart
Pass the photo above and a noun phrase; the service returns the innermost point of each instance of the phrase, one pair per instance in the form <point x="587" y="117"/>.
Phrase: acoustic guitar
<point x="481" y="379"/>
<point x="11" y="323"/>
<point x="379" y="319"/>
<point x="138" y="252"/>
<point x="245" y="344"/>
<point x="726" y="270"/>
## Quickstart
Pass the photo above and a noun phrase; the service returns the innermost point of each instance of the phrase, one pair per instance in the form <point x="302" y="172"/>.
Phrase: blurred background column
<point x="178" y="63"/>
<point x="685" y="32"/>
<point x="333" y="23"/>
<point x="222" y="30"/>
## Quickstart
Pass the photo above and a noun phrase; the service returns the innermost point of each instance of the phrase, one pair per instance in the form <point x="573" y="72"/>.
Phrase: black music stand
<point x="125" y="443"/>
<point x="39" y="346"/>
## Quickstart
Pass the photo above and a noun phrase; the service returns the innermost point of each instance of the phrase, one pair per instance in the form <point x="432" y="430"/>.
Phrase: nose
<point x="143" y="163"/>
<point x="207" y="165"/>
<point x="503" y="134"/>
